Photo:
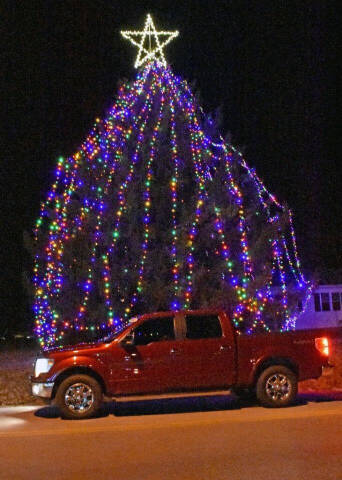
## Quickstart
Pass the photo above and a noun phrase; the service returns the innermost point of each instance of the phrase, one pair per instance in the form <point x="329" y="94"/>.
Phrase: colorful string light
<point x="89" y="261"/>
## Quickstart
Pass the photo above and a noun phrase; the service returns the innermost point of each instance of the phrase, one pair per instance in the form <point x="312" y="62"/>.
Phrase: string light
<point x="109" y="186"/>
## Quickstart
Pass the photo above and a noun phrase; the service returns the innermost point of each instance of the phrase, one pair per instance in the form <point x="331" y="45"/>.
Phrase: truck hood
<point x="78" y="346"/>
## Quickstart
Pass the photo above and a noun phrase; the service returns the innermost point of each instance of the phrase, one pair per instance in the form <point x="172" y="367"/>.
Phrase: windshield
<point x="111" y="336"/>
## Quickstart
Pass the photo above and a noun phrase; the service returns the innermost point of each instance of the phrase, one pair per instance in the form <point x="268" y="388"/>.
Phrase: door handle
<point x="224" y="348"/>
<point x="130" y="356"/>
<point x="174" y="351"/>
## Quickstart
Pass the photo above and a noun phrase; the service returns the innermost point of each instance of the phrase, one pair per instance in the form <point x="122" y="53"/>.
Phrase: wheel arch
<point x="274" y="360"/>
<point x="74" y="371"/>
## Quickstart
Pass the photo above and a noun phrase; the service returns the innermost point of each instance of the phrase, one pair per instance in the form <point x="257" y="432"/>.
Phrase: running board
<point x="160" y="396"/>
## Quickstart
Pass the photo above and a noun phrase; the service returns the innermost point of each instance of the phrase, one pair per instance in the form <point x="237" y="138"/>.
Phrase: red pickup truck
<point x="186" y="351"/>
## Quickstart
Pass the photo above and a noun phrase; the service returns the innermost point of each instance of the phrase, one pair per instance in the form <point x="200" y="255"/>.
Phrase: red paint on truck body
<point x="187" y="364"/>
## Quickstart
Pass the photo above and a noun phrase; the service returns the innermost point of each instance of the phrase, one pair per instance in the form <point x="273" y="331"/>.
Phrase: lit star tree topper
<point x="150" y="42"/>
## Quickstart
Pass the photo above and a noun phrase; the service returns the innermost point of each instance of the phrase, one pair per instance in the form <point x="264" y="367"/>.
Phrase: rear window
<point x="202" y="326"/>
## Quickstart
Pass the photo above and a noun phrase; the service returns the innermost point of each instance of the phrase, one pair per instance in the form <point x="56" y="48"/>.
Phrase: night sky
<point x="268" y="64"/>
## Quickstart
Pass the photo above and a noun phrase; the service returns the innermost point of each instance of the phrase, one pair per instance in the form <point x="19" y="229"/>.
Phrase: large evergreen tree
<point x="156" y="211"/>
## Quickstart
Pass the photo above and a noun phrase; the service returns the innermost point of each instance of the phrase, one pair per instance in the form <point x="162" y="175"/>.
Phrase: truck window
<point x="202" y="326"/>
<point x="154" y="330"/>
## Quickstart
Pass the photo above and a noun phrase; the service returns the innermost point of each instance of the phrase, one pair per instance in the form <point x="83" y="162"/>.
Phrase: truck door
<point x="206" y="354"/>
<point x="146" y="365"/>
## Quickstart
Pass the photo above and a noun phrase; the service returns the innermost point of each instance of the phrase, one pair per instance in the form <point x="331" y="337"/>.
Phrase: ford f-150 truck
<point x="185" y="351"/>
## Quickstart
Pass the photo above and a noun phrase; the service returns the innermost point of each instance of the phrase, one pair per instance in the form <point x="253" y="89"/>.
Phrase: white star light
<point x="147" y="52"/>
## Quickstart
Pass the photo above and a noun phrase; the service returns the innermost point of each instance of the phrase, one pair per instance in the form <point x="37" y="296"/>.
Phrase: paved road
<point x="208" y="438"/>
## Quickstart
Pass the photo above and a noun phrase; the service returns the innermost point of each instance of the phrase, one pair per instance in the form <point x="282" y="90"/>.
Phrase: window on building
<point x="202" y="326"/>
<point x="336" y="300"/>
<point x="154" y="330"/>
<point x="325" y="301"/>
<point x="317" y="300"/>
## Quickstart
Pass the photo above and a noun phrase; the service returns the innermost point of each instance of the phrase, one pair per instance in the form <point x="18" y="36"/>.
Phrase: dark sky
<point x="269" y="64"/>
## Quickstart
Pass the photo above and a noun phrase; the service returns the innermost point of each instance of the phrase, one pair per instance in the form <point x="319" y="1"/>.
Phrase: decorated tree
<point x="156" y="211"/>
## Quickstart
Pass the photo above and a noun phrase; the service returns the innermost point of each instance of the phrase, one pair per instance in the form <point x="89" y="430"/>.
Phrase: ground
<point x="16" y="366"/>
<point x="210" y="438"/>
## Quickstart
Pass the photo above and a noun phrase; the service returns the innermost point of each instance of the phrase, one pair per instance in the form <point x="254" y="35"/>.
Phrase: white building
<point x="324" y="308"/>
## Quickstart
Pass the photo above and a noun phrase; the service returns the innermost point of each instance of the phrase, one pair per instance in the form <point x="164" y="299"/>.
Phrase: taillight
<point x="322" y="345"/>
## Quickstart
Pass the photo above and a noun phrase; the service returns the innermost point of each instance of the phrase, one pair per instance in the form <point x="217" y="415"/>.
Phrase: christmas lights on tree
<point x="153" y="214"/>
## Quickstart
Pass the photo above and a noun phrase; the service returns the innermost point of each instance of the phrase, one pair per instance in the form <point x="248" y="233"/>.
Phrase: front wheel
<point x="277" y="387"/>
<point x="79" y="397"/>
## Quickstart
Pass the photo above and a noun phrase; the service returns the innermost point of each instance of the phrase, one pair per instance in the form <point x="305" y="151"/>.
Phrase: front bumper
<point x="43" y="390"/>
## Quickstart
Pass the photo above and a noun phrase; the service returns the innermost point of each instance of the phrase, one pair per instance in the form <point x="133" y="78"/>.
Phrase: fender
<point x="96" y="364"/>
<point x="268" y="359"/>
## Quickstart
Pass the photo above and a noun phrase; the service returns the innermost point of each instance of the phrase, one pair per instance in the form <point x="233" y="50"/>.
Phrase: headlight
<point x="43" y="365"/>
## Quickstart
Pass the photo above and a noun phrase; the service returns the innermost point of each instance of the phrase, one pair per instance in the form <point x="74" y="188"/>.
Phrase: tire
<point x="277" y="387"/>
<point x="79" y="397"/>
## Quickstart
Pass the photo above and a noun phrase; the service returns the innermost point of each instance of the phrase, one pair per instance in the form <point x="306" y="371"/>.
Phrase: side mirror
<point x="128" y="341"/>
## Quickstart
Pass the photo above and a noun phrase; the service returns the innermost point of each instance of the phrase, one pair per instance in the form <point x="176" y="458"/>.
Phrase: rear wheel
<point x="277" y="387"/>
<point x="79" y="397"/>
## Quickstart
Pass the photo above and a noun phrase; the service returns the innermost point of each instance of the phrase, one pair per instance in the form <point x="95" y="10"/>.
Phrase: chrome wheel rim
<point x="278" y="387"/>
<point x="79" y="397"/>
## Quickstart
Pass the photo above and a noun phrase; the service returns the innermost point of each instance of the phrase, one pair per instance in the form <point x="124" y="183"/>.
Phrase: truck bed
<point x="296" y="349"/>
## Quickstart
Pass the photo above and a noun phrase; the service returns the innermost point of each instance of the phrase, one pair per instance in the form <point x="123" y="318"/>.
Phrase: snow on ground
<point x="16" y="366"/>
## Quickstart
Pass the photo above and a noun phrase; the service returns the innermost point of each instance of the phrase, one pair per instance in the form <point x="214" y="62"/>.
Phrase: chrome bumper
<point x="42" y="389"/>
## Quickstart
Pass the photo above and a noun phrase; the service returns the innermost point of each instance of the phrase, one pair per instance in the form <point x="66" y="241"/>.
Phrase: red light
<point x="322" y="345"/>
